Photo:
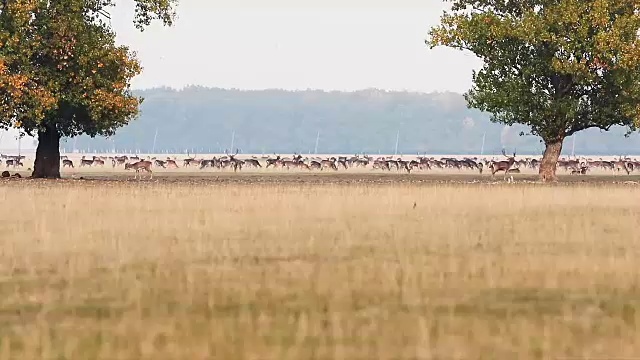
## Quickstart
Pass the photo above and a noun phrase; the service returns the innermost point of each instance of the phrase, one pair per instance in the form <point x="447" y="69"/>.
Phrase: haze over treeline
<point x="276" y="121"/>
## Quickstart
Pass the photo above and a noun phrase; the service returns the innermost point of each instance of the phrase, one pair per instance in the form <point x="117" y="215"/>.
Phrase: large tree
<point x="61" y="73"/>
<point x="558" y="66"/>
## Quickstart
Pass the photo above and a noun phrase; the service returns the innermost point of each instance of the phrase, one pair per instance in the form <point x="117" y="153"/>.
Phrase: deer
<point x="472" y="164"/>
<point x="85" y="162"/>
<point x="621" y="164"/>
<point x="504" y="165"/>
<point x="191" y="160"/>
<point x="160" y="163"/>
<point x="14" y="163"/>
<point x="253" y="163"/>
<point x="119" y="160"/>
<point x="274" y="162"/>
<point x="171" y="164"/>
<point x="358" y="162"/>
<point x="98" y="161"/>
<point x="67" y="163"/>
<point x="143" y="165"/>
<point x="295" y="163"/>
<point x="582" y="170"/>
<point x="235" y="164"/>
<point x="213" y="163"/>
<point x="381" y="164"/>
<point x="403" y="165"/>
<point x="329" y="163"/>
<point x="314" y="165"/>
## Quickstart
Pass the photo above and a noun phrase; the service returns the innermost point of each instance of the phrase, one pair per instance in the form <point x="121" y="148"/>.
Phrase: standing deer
<point x="504" y="165"/>
<point x="85" y="162"/>
<point x="191" y="160"/>
<point x="233" y="162"/>
<point x="143" y="165"/>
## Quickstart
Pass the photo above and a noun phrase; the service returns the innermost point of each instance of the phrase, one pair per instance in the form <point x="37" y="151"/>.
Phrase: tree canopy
<point x="61" y="73"/>
<point x="557" y="66"/>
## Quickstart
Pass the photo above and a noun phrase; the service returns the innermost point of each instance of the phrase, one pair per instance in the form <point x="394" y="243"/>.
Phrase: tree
<point x="61" y="73"/>
<point x="558" y="66"/>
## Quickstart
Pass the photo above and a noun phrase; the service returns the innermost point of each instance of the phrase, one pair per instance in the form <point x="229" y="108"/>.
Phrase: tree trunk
<point x="550" y="160"/>
<point x="47" y="164"/>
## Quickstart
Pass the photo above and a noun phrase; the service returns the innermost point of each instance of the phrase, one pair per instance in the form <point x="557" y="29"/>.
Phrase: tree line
<point x="200" y="119"/>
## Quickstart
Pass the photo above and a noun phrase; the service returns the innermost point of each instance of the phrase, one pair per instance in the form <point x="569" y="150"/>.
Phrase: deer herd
<point x="506" y="165"/>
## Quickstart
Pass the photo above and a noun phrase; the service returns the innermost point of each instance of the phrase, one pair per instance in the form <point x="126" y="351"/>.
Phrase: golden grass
<point x="146" y="271"/>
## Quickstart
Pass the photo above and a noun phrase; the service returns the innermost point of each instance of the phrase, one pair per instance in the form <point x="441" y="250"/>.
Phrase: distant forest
<point x="205" y="120"/>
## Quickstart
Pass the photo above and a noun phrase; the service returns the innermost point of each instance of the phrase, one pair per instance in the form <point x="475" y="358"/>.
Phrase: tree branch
<point x="104" y="13"/>
<point x="577" y="128"/>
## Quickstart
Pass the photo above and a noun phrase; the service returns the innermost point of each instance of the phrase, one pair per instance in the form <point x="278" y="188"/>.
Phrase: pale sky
<point x="288" y="44"/>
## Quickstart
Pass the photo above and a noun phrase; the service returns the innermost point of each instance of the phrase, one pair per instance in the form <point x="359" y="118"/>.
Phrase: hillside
<point x="205" y="119"/>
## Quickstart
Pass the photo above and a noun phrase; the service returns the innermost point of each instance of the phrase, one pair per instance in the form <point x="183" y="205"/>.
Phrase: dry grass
<point x="148" y="271"/>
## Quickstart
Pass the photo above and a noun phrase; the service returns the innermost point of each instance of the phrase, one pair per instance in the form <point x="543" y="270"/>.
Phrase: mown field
<point x="318" y="270"/>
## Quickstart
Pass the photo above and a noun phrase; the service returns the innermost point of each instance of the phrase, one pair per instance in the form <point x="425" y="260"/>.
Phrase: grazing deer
<point x="67" y="163"/>
<point x="143" y="165"/>
<point x="160" y="163"/>
<point x="505" y="166"/>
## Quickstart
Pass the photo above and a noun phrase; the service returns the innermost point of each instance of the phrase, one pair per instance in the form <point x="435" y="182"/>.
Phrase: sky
<point x="304" y="44"/>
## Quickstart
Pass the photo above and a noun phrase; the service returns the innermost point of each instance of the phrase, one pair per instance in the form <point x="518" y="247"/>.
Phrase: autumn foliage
<point x="59" y="67"/>
<point x="61" y="73"/>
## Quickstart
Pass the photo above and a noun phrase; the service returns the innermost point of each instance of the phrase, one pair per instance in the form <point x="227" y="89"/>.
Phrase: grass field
<point x="249" y="270"/>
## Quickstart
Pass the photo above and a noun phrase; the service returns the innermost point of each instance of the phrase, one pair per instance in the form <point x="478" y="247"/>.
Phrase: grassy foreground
<point x="148" y="271"/>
